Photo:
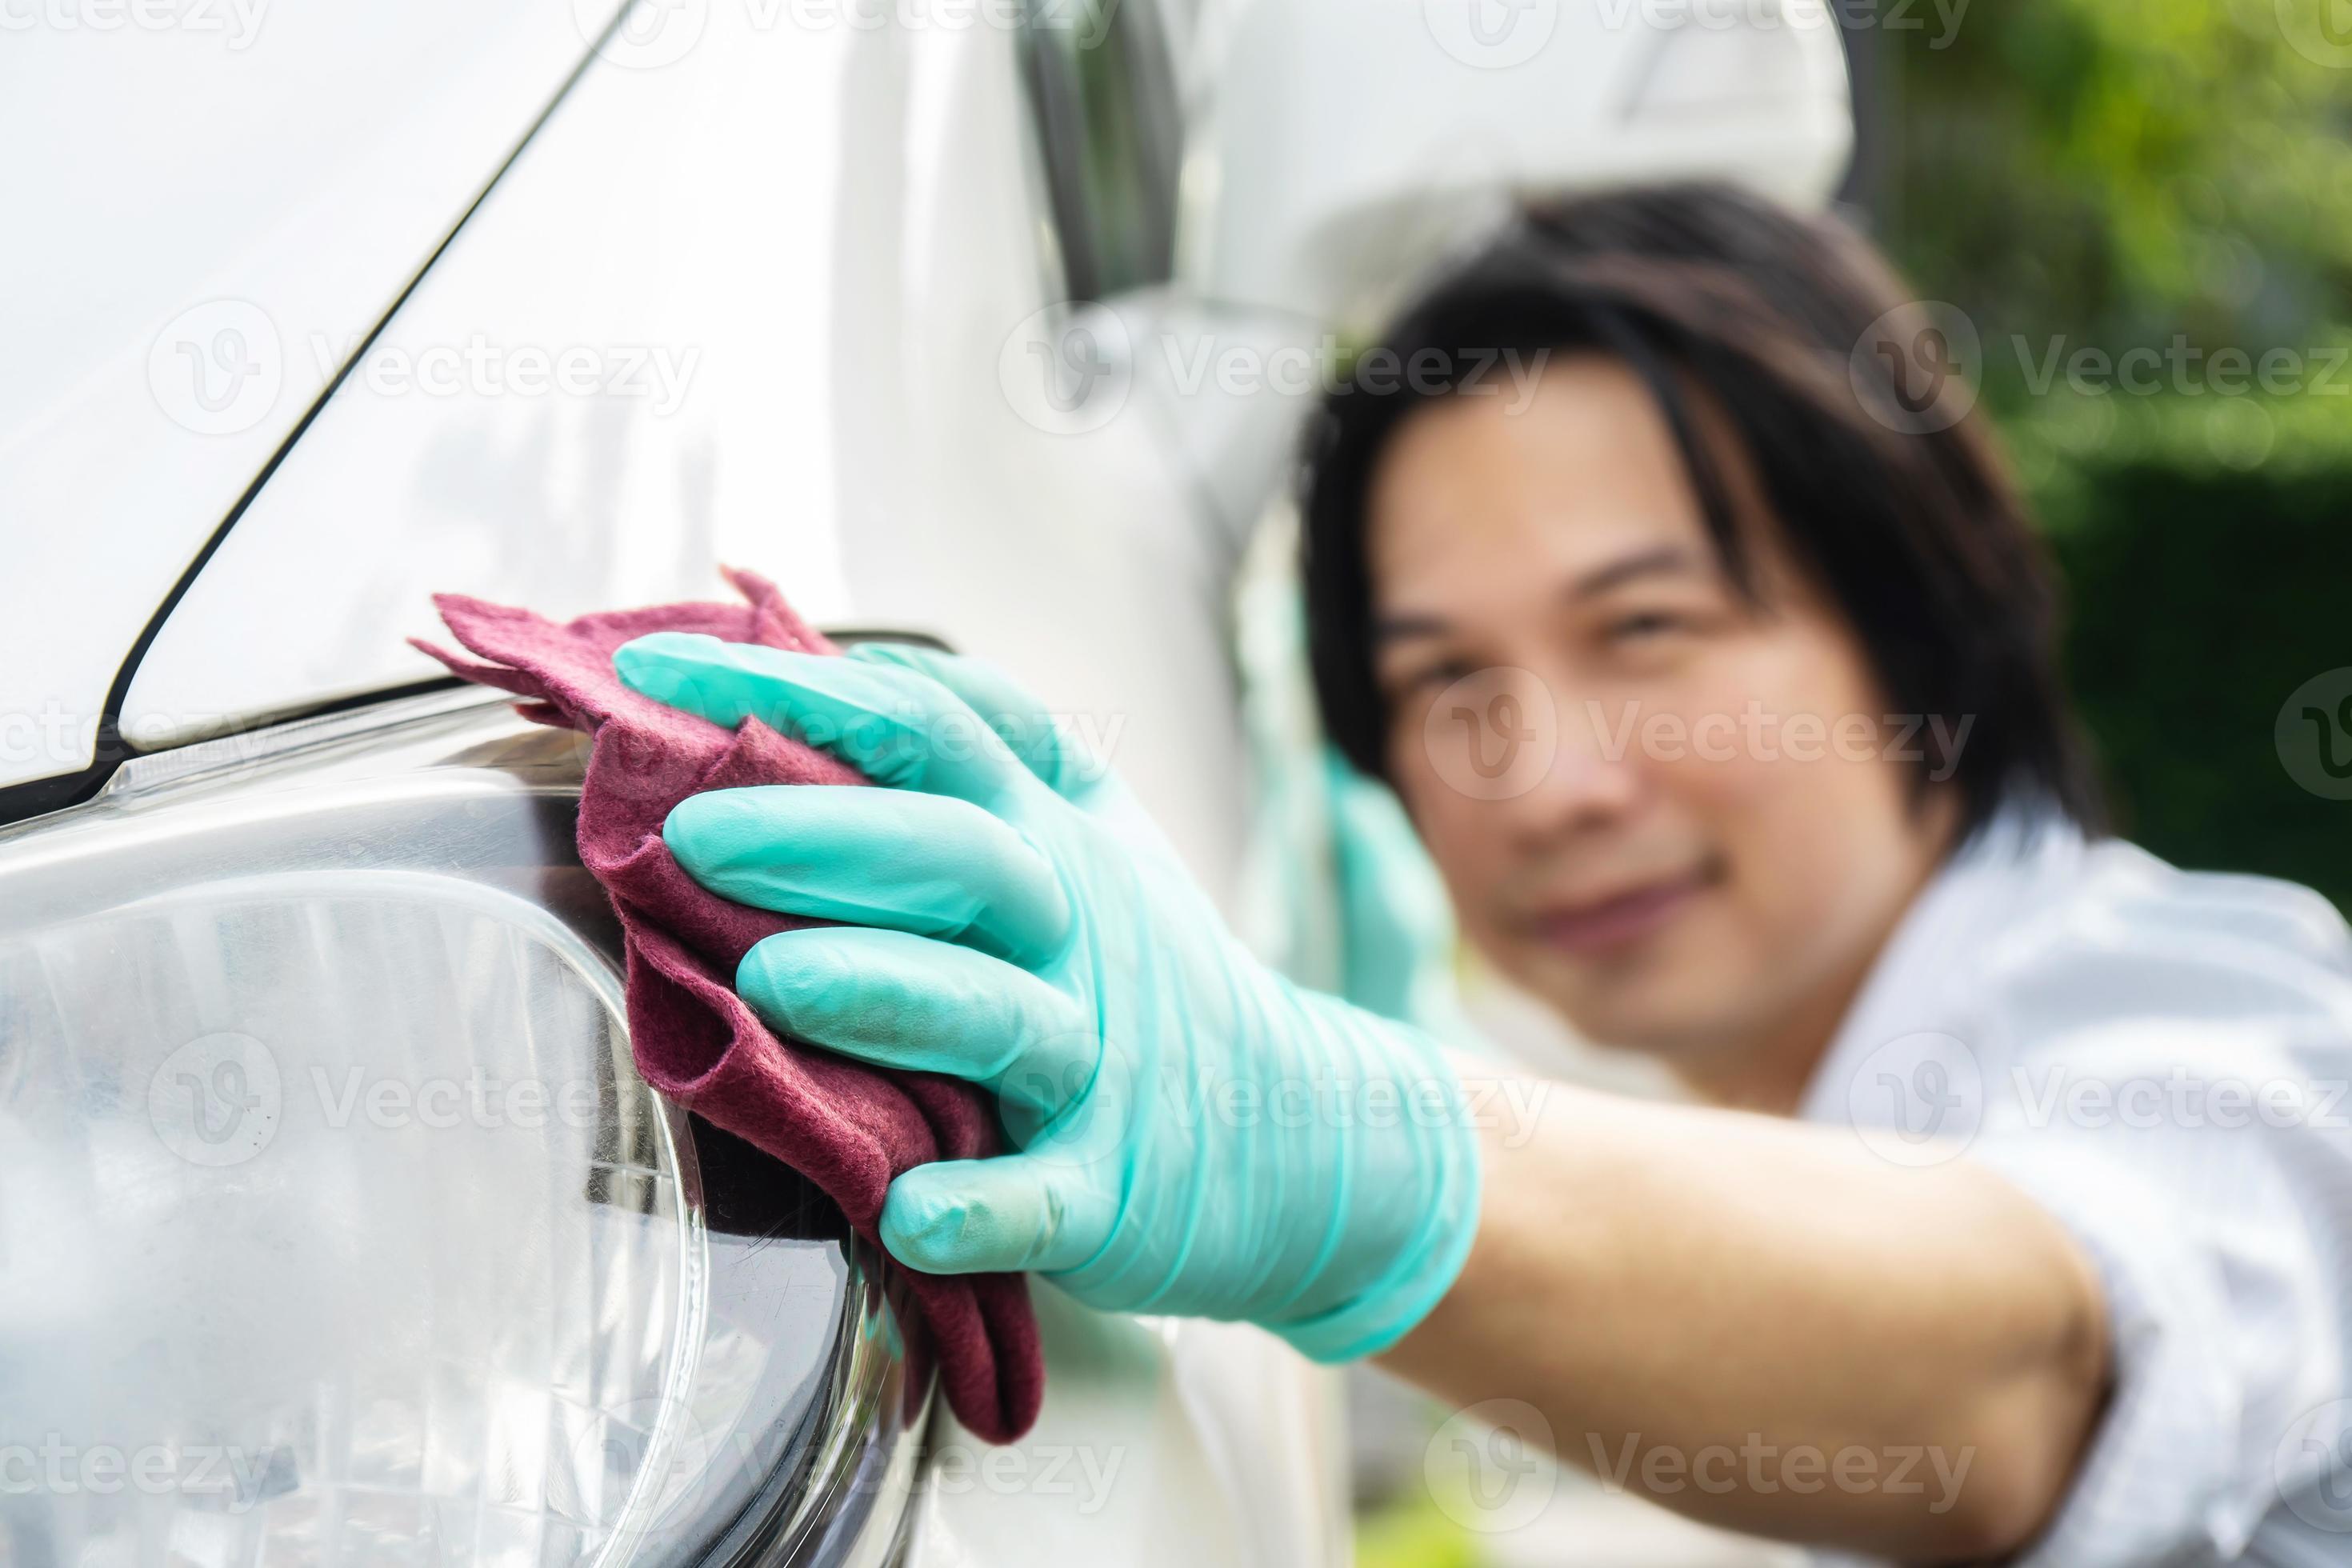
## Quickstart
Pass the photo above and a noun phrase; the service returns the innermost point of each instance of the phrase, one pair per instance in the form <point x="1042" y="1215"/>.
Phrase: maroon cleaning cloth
<point x="847" y="1127"/>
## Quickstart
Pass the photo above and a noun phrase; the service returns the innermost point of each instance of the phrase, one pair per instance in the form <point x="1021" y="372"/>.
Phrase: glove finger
<point x="922" y="864"/>
<point x="1027" y="1213"/>
<point x="897" y="726"/>
<point x="1063" y="762"/>
<point x="928" y="1006"/>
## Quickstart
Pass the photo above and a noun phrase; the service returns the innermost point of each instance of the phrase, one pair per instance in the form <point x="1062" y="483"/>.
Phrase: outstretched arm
<point x="1670" y="1288"/>
<point x="1762" y="1325"/>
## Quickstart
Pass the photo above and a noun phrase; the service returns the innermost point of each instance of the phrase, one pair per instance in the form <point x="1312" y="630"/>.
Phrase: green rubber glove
<point x="1196" y="1135"/>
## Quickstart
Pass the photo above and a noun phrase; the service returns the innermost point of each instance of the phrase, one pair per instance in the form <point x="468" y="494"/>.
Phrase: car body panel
<point x="1304" y="193"/>
<point x="830" y="239"/>
<point x="304" y="166"/>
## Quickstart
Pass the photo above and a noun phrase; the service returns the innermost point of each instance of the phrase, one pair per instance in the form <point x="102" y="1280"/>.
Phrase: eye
<point x="1642" y="625"/>
<point x="1434" y="676"/>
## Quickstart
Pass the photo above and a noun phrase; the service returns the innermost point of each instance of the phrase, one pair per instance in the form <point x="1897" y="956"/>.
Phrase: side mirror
<point x="1345" y="145"/>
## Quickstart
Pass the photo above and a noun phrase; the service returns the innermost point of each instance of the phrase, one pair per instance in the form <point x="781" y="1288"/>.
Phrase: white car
<point x="335" y="1224"/>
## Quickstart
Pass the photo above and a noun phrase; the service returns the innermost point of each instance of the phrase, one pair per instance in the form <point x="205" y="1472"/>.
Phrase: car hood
<point x="222" y="165"/>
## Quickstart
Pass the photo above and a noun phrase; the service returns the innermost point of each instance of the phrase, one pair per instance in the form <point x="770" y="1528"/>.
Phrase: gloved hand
<point x="1196" y="1136"/>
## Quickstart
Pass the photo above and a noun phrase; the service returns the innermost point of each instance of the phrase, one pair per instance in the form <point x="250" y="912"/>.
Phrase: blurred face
<point x="1683" y="818"/>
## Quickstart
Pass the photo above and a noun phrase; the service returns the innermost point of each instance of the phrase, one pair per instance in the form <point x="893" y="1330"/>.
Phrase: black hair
<point x="1894" y="499"/>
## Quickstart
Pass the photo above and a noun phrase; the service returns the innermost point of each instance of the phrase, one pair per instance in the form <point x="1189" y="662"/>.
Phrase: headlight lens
<point x="335" y="1223"/>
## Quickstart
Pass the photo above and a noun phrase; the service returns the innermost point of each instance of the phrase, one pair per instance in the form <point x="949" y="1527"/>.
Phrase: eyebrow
<point x="1661" y="560"/>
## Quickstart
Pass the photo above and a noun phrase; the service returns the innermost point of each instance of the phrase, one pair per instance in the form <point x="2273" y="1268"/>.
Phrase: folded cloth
<point x="848" y="1127"/>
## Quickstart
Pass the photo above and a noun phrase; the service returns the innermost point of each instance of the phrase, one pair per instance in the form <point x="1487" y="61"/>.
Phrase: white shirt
<point x="2161" y="1058"/>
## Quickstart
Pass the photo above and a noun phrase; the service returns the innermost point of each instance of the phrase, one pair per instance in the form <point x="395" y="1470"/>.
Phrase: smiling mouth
<point x="1613" y="924"/>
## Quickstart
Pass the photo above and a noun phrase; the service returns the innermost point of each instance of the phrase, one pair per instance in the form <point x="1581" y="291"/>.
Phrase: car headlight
<point x="335" y="1222"/>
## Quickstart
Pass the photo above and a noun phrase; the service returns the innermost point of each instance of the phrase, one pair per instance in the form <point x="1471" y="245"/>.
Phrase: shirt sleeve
<point x="2185" y="1120"/>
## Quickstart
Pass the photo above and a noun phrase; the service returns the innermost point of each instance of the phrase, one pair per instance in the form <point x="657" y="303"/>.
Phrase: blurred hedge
<point x="2203" y="592"/>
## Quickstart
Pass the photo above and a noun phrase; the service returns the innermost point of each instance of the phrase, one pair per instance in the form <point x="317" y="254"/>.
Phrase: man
<point x="1804" y="819"/>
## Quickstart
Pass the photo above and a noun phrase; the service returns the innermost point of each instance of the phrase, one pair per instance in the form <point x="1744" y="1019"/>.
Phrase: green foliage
<point x="1413" y="1533"/>
<point x="2108" y="174"/>
<point x="2117" y="172"/>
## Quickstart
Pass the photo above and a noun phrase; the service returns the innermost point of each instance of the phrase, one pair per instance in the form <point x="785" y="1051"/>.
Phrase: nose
<point x="1543" y="756"/>
<point x="1594" y="779"/>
